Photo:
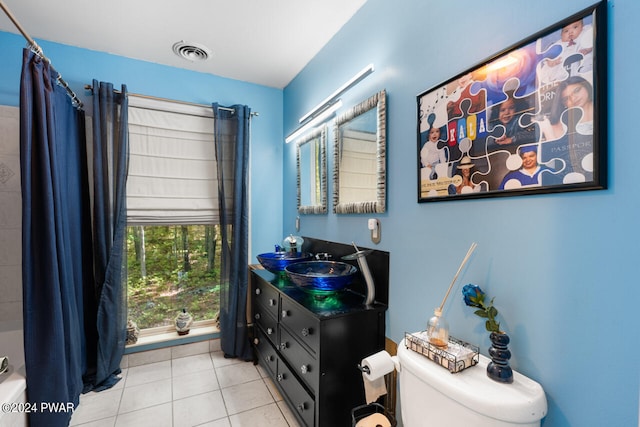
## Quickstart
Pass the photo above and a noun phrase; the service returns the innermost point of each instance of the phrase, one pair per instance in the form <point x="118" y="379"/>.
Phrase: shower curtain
<point x="232" y="136"/>
<point x="74" y="331"/>
<point x="56" y="240"/>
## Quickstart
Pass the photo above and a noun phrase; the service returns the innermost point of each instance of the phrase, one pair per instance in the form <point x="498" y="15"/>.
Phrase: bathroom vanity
<point x="311" y="346"/>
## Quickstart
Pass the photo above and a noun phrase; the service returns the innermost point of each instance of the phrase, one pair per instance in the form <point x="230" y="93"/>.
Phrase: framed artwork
<point x="529" y="120"/>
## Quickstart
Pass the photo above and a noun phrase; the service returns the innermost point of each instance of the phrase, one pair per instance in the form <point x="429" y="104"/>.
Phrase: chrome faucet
<point x="364" y="268"/>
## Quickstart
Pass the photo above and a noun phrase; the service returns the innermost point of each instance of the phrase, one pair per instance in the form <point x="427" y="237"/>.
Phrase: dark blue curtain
<point x="56" y="239"/>
<point x="74" y="308"/>
<point x="110" y="166"/>
<point x="232" y="136"/>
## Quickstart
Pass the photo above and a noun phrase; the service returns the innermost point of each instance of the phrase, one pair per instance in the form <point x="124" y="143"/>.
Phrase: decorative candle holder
<point x="183" y="322"/>
<point x="132" y="332"/>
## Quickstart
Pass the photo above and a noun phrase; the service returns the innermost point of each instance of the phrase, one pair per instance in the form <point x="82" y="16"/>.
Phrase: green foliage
<point x="155" y="298"/>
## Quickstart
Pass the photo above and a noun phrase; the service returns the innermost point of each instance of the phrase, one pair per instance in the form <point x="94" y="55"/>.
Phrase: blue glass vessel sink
<point x="276" y="262"/>
<point x="321" y="277"/>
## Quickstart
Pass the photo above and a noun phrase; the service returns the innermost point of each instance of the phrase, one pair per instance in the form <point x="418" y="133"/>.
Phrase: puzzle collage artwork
<point x="525" y="121"/>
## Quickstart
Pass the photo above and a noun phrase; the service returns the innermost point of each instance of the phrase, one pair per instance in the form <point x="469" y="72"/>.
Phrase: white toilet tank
<point x="432" y="396"/>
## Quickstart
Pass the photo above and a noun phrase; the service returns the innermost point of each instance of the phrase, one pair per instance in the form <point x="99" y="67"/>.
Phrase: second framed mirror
<point x="359" y="167"/>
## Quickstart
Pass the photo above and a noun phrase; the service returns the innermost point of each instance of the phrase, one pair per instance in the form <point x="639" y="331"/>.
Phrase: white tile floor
<point x="199" y="390"/>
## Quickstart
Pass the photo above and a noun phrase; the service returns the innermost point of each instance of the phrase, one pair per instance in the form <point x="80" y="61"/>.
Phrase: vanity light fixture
<point x="315" y="121"/>
<point x="342" y="89"/>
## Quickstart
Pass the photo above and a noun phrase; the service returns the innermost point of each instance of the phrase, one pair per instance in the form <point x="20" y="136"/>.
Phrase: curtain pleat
<point x="232" y="136"/>
<point x="55" y="226"/>
<point x="110" y="152"/>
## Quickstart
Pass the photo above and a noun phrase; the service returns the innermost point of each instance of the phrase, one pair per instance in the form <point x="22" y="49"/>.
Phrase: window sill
<point x="151" y="339"/>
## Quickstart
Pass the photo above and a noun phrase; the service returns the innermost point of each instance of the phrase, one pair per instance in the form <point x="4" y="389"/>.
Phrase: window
<point x="172" y="213"/>
<point x="171" y="267"/>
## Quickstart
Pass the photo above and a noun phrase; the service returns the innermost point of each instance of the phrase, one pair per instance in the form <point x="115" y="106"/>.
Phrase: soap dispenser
<point x="293" y="244"/>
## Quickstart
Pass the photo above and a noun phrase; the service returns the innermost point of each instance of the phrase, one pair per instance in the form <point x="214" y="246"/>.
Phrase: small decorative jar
<point x="183" y="322"/>
<point x="438" y="330"/>
<point x="132" y="332"/>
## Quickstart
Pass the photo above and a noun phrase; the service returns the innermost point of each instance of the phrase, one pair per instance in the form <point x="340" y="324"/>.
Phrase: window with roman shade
<point x="172" y="166"/>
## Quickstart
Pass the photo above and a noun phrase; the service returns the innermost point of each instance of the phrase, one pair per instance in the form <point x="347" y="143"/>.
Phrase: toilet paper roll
<point x="373" y="389"/>
<point x="374" y="420"/>
<point x="378" y="365"/>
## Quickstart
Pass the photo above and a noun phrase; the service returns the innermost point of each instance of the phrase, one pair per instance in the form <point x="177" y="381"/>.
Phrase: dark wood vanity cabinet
<point x="311" y="347"/>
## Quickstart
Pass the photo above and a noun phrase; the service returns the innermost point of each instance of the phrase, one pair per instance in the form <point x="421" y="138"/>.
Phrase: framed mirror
<point x="359" y="167"/>
<point x="311" y="163"/>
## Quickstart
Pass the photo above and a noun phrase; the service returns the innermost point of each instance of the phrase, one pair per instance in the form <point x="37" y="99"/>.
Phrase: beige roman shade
<point x="172" y="167"/>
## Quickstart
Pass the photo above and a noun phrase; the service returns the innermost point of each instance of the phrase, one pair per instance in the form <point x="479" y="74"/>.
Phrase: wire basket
<point x="459" y="355"/>
<point x="364" y="411"/>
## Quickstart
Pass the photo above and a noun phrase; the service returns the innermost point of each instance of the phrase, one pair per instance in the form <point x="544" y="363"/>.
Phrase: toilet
<point x="432" y="396"/>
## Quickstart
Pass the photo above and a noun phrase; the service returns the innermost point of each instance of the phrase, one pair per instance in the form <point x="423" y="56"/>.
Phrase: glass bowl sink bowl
<point x="321" y="277"/>
<point x="276" y="262"/>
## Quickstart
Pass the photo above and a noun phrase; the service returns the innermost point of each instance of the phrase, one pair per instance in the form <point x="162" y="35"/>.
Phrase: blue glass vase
<point x="498" y="369"/>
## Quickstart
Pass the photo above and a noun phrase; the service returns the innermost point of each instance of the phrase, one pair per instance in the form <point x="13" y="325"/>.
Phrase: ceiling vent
<point x="191" y="51"/>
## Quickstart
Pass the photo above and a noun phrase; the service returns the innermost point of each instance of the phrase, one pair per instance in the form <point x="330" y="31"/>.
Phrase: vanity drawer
<point x="266" y="322"/>
<point x="303" y="325"/>
<point x="267" y="355"/>
<point x="305" y="366"/>
<point x="266" y="296"/>
<point x="300" y="401"/>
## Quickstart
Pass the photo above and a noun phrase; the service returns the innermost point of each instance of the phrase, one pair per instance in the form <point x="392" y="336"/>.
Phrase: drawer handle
<point x="305" y="368"/>
<point x="306" y="332"/>
<point x="256" y="341"/>
<point x="269" y="331"/>
<point x="302" y="406"/>
<point x="272" y="302"/>
<point x="269" y="358"/>
<point x="285" y="313"/>
<point x="280" y="377"/>
<point x="257" y="316"/>
<point x="258" y="291"/>
<point x="284" y="345"/>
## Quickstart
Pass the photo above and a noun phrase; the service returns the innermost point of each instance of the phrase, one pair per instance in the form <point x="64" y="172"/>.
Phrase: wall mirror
<point x="359" y="167"/>
<point x="311" y="161"/>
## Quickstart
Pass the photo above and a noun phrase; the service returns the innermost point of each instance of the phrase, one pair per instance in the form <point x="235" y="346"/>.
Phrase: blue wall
<point x="79" y="66"/>
<point x="561" y="266"/>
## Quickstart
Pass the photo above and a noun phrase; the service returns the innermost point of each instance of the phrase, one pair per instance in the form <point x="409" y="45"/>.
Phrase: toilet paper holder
<point x="364" y="369"/>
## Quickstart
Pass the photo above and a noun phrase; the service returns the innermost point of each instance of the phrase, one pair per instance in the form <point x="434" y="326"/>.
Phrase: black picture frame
<point x="531" y="119"/>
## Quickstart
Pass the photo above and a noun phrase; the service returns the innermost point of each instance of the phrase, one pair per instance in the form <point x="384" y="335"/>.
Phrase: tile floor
<point x="195" y="390"/>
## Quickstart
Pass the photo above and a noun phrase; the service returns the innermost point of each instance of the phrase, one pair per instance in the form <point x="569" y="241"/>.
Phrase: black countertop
<point x="338" y="304"/>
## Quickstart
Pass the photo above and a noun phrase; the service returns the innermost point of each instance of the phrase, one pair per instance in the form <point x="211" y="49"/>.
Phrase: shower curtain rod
<point x="38" y="51"/>
<point x="155" y="98"/>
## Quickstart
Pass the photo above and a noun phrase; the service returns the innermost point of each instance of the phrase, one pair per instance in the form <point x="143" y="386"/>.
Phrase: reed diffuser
<point x="438" y="327"/>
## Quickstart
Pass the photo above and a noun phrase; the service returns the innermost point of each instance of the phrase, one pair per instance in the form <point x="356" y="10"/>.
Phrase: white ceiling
<point x="260" y="41"/>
